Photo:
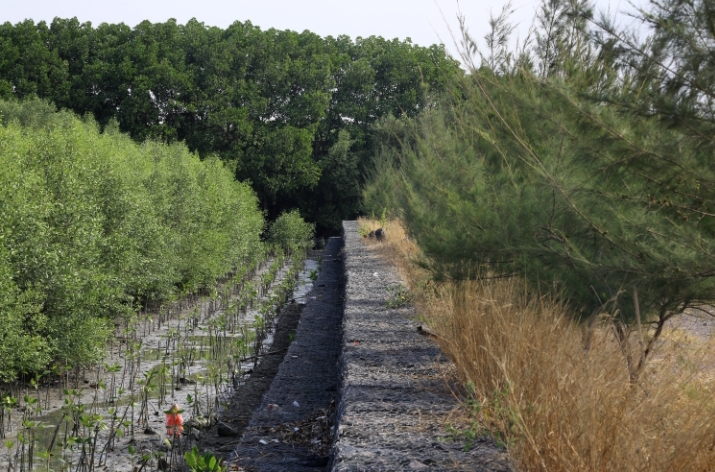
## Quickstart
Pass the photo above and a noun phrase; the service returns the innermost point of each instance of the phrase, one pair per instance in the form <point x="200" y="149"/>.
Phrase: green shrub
<point x="93" y="226"/>
<point x="205" y="462"/>
<point x="291" y="233"/>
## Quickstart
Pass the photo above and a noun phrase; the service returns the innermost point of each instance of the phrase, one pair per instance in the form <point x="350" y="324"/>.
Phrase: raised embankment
<point x="394" y="400"/>
<point x="350" y="347"/>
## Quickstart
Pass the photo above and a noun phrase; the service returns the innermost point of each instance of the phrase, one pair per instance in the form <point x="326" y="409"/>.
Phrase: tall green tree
<point x="567" y="177"/>
<point x="272" y="103"/>
<point x="95" y="226"/>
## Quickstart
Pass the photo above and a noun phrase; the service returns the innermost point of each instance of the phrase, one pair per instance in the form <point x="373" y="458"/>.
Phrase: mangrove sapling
<point x="2" y="418"/>
<point x="45" y="456"/>
<point x="144" y="389"/>
<point x="214" y="379"/>
<point x="112" y="370"/>
<point x="98" y="425"/>
<point x="108" y="445"/>
<point x="82" y="461"/>
<point x="73" y="409"/>
<point x="196" y="405"/>
<point x="114" y="431"/>
<point x="173" y="373"/>
<point x="35" y="384"/>
<point x="53" y="373"/>
<point x="161" y="375"/>
<point x="258" y="340"/>
<point x="26" y="438"/>
<point x="66" y="376"/>
<point x="66" y="418"/>
<point x="193" y="401"/>
<point x="140" y="462"/>
<point x="54" y="436"/>
<point x="132" y="438"/>
<point x="68" y="448"/>
<point x="207" y="383"/>
<point x="20" y="452"/>
<point x="159" y="456"/>
<point x="97" y="386"/>
<point x="7" y="403"/>
<point x="186" y="360"/>
<point x="173" y="450"/>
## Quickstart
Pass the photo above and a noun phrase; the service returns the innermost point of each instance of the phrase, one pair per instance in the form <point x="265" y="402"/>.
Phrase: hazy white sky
<point x="420" y="20"/>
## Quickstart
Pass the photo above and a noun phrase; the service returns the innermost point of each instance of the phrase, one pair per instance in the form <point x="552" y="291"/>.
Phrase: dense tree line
<point x="582" y="162"/>
<point x="94" y="226"/>
<point x="291" y="111"/>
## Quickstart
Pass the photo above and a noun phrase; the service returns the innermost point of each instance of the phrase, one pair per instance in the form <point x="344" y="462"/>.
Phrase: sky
<point x="426" y="22"/>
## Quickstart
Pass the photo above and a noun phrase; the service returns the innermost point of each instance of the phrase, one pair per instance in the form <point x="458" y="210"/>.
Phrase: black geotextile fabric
<point x="306" y="384"/>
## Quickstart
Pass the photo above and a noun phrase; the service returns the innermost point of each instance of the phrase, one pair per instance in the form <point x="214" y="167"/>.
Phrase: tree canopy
<point x="276" y="104"/>
<point x="94" y="226"/>
<point x="582" y="163"/>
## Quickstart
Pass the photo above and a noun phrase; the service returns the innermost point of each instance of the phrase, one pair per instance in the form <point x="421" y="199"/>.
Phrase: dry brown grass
<point x="557" y="406"/>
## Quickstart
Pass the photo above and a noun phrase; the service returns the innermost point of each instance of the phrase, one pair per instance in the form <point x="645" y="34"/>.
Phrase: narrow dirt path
<point x="290" y="430"/>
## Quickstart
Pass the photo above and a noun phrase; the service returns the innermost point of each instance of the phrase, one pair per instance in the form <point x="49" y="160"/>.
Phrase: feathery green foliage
<point x="532" y="173"/>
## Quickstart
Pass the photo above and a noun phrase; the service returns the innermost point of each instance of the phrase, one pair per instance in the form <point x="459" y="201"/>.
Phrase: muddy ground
<point x="292" y="428"/>
<point x="247" y="398"/>
<point x="250" y="382"/>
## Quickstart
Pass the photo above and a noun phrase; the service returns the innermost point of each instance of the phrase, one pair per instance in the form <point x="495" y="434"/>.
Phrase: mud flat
<point x="198" y="353"/>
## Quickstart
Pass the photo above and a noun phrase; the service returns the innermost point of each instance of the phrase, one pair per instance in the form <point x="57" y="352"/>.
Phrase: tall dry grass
<point x="556" y="405"/>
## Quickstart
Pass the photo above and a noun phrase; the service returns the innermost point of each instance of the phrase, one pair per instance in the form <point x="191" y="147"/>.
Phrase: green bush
<point x="291" y="233"/>
<point x="93" y="226"/>
<point x="205" y="462"/>
<point x="23" y="348"/>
